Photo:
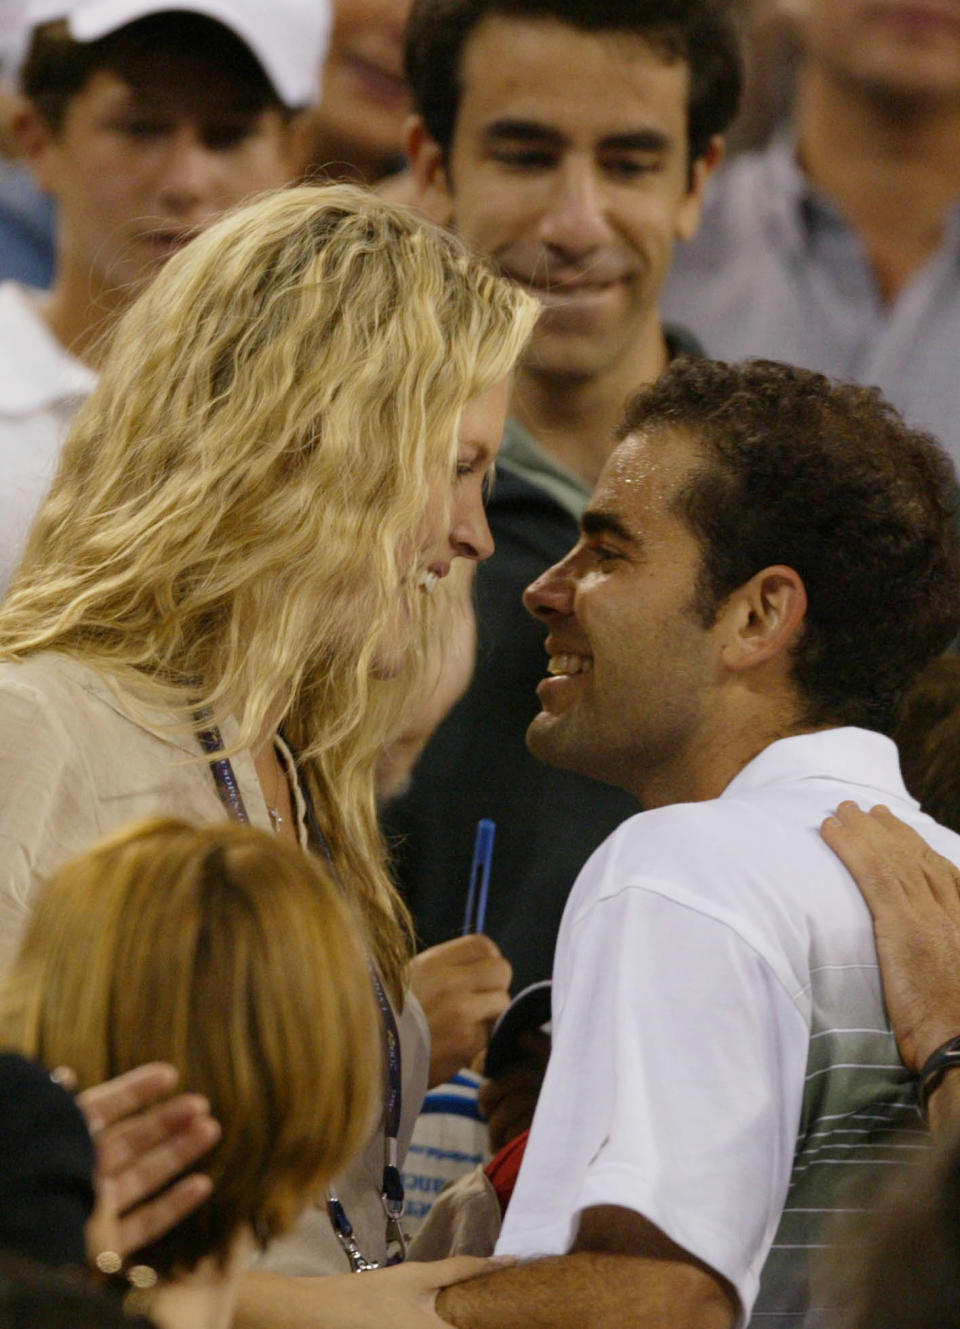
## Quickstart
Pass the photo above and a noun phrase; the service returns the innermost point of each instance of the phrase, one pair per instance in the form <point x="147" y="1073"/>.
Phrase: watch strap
<point x="945" y="1058"/>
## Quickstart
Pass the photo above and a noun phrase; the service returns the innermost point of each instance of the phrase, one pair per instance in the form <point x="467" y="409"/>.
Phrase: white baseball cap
<point x="290" y="38"/>
<point x="12" y="23"/>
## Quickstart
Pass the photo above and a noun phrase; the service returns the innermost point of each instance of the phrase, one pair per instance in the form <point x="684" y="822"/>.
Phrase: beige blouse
<point x="76" y="764"/>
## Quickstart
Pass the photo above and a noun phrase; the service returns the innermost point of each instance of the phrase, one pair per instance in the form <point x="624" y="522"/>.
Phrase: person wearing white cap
<point x="145" y="121"/>
<point x="26" y="214"/>
<point x="12" y="14"/>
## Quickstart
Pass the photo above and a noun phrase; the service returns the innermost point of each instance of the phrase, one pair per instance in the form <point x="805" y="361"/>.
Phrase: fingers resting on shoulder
<point x="891" y="862"/>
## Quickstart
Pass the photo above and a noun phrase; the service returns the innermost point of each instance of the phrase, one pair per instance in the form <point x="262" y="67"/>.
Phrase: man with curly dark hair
<point x="767" y="561"/>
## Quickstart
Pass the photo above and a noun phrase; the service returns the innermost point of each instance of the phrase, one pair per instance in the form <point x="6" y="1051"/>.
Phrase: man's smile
<point x="569" y="664"/>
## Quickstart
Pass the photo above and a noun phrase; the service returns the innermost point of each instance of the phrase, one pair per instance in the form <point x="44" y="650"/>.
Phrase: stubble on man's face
<point x="632" y="666"/>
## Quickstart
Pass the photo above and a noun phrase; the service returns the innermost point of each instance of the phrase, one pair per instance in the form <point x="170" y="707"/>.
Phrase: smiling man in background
<point x="571" y="144"/>
<point x="145" y="123"/>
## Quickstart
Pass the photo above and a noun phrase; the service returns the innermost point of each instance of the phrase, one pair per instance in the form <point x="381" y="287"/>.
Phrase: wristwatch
<point x="946" y="1058"/>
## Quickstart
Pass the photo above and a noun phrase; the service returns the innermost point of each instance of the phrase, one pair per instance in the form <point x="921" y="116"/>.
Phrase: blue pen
<point x="479" y="877"/>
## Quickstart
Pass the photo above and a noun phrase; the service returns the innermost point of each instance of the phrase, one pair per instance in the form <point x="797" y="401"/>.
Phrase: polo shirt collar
<point x="856" y="757"/>
<point x="36" y="373"/>
<point x="522" y="454"/>
<point x="785" y="191"/>
<point x="794" y="207"/>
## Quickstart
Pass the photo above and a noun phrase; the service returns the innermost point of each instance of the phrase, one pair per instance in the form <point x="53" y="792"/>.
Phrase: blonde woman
<point x="224" y="604"/>
<point x="232" y="956"/>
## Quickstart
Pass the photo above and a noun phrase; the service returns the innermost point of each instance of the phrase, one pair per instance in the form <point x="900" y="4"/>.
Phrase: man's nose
<point x="575" y="219"/>
<point x="190" y="171"/>
<point x="551" y="595"/>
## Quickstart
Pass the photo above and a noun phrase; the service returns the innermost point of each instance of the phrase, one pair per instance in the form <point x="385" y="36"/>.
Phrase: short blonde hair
<point x="241" y="498"/>
<point x="230" y="954"/>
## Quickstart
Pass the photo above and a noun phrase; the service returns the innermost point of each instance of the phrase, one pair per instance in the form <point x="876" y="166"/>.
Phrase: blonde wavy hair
<point x="238" y="504"/>
<point x="230" y="954"/>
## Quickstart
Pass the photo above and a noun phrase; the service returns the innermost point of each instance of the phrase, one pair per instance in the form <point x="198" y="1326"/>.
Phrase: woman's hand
<point x="144" y="1139"/>
<point x="403" y="1297"/>
<point x="914" y="896"/>
<point x="463" y="986"/>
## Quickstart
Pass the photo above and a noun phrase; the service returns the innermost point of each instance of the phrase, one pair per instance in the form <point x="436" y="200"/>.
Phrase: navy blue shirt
<point x="26" y="229"/>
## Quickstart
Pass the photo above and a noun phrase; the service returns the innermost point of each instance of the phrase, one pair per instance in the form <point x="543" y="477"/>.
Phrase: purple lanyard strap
<point x="391" y="1191"/>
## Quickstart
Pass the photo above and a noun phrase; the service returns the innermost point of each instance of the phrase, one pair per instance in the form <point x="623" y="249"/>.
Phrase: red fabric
<point x="504" y="1168"/>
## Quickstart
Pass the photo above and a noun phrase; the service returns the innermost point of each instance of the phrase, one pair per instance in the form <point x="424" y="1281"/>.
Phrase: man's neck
<point x="891" y="166"/>
<point x="81" y="312"/>
<point x="574" y="418"/>
<point x="727" y="743"/>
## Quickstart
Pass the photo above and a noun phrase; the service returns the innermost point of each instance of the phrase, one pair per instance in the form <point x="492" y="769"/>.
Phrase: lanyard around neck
<point x="391" y="1190"/>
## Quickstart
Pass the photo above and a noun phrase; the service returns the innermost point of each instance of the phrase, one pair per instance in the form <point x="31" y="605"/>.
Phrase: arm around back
<point x="622" y="1273"/>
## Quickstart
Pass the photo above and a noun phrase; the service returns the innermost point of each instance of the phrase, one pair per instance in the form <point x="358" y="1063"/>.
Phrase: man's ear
<point x="688" y="218"/>
<point x="37" y="142"/>
<point x="434" y="197"/>
<point x="763" y="618"/>
<point x="297" y="146"/>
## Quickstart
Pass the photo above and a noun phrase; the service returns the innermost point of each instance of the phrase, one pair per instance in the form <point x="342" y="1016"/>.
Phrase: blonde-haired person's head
<point x="230" y="954"/>
<point x="240" y="496"/>
<point x="240" y="501"/>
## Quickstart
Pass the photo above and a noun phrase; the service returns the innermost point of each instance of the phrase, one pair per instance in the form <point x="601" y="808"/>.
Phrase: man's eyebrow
<point x="637" y="140"/>
<point x="506" y="130"/>
<point x="599" y="521"/>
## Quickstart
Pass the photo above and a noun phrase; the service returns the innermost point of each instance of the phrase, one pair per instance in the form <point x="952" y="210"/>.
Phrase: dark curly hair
<point x="701" y="32"/>
<point x="826" y="478"/>
<point x="928" y="736"/>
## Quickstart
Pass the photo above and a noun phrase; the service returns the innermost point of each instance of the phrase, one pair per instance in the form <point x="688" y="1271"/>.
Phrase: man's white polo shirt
<point x="721" y="1056"/>
<point x="41" y="386"/>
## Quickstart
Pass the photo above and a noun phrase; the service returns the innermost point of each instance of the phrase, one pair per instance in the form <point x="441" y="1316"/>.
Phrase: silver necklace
<point x="276" y="819"/>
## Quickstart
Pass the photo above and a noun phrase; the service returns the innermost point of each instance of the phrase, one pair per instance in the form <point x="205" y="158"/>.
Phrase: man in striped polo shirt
<point x="767" y="561"/>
